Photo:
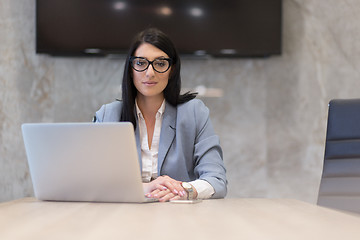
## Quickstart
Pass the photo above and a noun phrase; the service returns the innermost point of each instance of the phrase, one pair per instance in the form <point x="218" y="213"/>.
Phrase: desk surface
<point x="211" y="219"/>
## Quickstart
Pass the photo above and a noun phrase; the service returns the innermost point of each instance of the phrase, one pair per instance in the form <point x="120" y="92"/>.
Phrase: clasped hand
<point x="165" y="188"/>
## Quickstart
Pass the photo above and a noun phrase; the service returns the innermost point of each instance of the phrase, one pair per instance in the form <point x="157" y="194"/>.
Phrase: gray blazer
<point x="188" y="149"/>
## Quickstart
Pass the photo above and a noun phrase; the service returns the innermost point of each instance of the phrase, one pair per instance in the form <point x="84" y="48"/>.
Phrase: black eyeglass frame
<point x="150" y="63"/>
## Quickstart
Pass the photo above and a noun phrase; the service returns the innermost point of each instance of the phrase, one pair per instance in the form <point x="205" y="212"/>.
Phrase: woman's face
<point x="149" y="83"/>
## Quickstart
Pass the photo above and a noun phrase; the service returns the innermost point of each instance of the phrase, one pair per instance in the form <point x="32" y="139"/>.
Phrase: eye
<point x="140" y="62"/>
<point x="161" y="63"/>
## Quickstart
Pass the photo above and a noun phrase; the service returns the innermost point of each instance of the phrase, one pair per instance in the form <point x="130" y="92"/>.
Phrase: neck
<point x="149" y="105"/>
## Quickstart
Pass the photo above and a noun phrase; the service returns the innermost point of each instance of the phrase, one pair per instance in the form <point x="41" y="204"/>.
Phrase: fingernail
<point x="175" y="191"/>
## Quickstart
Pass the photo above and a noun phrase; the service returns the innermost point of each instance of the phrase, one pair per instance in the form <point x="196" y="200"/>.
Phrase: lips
<point x="149" y="83"/>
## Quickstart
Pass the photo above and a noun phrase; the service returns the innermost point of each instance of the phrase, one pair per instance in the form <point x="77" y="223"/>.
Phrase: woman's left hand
<point x="165" y="195"/>
<point x="165" y="188"/>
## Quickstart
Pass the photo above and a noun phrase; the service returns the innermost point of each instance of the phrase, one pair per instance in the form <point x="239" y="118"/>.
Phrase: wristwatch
<point x="189" y="189"/>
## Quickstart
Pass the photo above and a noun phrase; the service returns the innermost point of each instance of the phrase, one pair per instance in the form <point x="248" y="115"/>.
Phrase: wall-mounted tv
<point x="219" y="28"/>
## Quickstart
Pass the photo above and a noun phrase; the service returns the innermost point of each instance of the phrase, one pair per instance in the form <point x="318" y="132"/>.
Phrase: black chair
<point x="340" y="182"/>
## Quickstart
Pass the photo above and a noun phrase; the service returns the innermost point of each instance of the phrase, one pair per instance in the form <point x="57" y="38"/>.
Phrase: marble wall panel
<point x="271" y="118"/>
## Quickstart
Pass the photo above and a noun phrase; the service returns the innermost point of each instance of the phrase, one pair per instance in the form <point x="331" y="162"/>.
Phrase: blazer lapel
<point x="167" y="134"/>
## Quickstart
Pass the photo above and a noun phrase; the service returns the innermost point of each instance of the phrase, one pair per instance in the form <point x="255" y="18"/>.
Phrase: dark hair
<point x="172" y="94"/>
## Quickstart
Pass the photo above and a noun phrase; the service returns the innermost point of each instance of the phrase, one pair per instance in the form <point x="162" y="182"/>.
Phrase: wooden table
<point x="223" y="219"/>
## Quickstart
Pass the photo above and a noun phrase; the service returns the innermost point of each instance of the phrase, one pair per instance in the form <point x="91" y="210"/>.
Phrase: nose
<point x="150" y="71"/>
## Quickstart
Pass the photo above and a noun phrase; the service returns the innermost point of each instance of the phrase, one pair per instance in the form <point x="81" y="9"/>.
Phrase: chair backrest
<point x="340" y="182"/>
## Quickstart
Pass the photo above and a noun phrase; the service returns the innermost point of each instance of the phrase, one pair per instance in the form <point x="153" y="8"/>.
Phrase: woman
<point x="180" y="154"/>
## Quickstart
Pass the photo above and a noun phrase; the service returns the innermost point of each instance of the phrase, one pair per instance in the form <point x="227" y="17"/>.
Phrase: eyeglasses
<point x="160" y="65"/>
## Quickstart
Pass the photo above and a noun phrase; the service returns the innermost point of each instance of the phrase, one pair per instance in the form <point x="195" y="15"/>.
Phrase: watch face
<point x="186" y="185"/>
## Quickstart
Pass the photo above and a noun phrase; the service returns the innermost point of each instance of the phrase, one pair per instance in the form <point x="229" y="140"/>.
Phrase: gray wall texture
<point x="271" y="118"/>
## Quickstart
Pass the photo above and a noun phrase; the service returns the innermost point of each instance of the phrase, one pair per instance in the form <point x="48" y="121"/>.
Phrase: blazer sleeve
<point x="208" y="156"/>
<point x="109" y="112"/>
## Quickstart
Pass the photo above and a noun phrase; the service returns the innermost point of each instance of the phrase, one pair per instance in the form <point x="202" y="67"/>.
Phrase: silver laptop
<point x="94" y="162"/>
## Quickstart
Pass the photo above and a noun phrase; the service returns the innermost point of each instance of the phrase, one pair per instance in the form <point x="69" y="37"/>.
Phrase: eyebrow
<point x="161" y="57"/>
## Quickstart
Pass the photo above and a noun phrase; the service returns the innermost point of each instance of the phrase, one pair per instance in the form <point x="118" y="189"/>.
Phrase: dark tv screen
<point x="220" y="28"/>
